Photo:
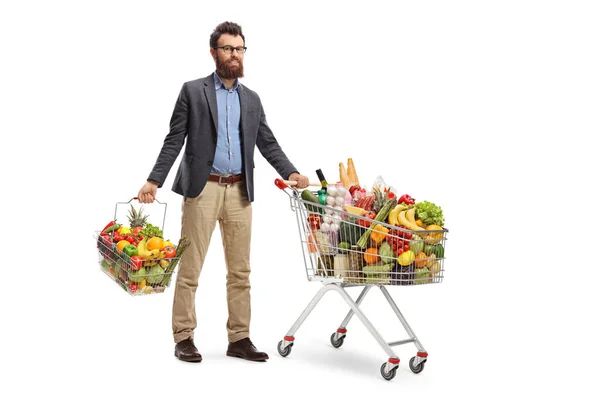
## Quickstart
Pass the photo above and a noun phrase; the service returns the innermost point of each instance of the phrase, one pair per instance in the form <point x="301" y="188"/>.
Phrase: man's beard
<point x="226" y="71"/>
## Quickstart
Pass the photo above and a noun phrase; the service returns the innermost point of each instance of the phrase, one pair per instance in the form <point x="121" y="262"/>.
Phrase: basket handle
<point x="136" y="198"/>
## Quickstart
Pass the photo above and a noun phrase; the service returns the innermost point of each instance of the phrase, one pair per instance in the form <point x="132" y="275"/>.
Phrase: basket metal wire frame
<point x="119" y="267"/>
<point x="337" y="279"/>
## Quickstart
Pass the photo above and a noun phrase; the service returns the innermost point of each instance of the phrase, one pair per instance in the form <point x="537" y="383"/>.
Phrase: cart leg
<point x="288" y="340"/>
<point x="339" y="335"/>
<point x="421" y="354"/>
<point x="368" y="324"/>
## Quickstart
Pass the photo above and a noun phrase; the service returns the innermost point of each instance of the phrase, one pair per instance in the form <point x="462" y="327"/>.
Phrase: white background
<point x="488" y="109"/>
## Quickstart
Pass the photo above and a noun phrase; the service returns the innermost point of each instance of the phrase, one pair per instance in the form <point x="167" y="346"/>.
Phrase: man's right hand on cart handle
<point x="147" y="193"/>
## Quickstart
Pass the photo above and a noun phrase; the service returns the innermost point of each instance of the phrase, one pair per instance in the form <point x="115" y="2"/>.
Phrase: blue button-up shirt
<point x="228" y="157"/>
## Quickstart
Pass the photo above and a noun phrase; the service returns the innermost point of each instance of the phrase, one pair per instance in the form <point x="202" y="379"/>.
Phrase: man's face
<point x="229" y="66"/>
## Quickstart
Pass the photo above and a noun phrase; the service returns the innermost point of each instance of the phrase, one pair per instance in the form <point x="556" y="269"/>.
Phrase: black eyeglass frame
<point x="240" y="50"/>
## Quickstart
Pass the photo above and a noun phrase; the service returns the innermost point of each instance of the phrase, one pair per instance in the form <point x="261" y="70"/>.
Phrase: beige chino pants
<point x="229" y="205"/>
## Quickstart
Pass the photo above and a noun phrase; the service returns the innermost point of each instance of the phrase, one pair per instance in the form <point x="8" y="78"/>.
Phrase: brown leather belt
<point x="225" y="179"/>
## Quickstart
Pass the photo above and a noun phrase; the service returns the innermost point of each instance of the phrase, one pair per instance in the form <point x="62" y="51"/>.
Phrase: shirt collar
<point x="219" y="83"/>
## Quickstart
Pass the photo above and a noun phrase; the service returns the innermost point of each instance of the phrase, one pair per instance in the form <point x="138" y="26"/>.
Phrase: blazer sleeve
<point x="270" y="149"/>
<point x="174" y="140"/>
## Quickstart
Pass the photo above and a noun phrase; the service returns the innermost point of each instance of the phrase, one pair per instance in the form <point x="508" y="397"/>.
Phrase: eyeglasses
<point x="230" y="49"/>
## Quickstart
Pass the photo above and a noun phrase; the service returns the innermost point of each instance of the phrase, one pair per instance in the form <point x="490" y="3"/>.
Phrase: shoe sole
<point x="246" y="358"/>
<point x="194" y="359"/>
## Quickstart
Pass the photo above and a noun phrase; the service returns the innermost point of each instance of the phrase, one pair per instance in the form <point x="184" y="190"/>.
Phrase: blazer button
<point x="209" y="163"/>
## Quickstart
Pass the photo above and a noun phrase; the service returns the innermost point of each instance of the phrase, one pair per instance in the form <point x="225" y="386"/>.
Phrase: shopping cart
<point x="342" y="249"/>
<point x="144" y="273"/>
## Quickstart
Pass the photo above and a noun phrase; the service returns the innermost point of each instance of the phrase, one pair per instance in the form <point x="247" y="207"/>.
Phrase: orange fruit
<point x="120" y="245"/>
<point x="154" y="243"/>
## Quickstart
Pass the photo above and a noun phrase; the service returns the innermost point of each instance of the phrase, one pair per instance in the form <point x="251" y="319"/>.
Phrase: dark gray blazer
<point x="195" y="117"/>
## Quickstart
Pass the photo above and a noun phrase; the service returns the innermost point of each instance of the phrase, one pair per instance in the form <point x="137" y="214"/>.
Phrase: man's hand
<point x="301" y="179"/>
<point x="147" y="193"/>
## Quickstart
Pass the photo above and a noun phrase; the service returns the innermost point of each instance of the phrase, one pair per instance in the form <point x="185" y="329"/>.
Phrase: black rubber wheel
<point x="287" y="351"/>
<point x="417" y="369"/>
<point x="390" y="375"/>
<point x="336" y="343"/>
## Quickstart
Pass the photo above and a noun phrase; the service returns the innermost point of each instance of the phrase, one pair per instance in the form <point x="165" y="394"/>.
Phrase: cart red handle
<point x="283" y="184"/>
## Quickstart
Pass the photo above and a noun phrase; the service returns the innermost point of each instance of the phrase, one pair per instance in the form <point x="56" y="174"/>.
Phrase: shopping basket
<point x="344" y="255"/>
<point x="143" y="269"/>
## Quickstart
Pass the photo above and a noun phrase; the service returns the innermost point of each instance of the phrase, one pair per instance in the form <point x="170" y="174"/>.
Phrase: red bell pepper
<point x="136" y="262"/>
<point x="406" y="199"/>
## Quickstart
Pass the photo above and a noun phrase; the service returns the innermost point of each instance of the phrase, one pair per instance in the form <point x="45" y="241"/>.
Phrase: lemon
<point x="406" y="258"/>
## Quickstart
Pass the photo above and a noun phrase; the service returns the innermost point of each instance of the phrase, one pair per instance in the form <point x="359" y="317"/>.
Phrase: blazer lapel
<point x="211" y="97"/>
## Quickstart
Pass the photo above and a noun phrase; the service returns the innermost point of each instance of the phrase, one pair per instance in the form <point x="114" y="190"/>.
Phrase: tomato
<point x="406" y="247"/>
<point x="133" y="286"/>
<point x="170" y="251"/>
<point x="364" y="223"/>
<point x="408" y="235"/>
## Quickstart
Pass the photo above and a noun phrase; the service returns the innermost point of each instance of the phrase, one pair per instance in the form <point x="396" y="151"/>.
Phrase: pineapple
<point x="136" y="218"/>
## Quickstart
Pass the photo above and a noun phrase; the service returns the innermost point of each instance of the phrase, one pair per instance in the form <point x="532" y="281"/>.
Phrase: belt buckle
<point x="225" y="176"/>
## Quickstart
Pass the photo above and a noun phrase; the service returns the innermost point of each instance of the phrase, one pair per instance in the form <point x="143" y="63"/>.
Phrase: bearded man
<point x="220" y="122"/>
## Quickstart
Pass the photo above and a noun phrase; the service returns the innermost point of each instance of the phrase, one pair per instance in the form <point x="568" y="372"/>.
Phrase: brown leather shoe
<point x="186" y="351"/>
<point x="245" y="349"/>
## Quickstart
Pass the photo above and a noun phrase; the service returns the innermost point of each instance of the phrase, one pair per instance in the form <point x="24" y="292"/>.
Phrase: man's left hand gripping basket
<point x="134" y="253"/>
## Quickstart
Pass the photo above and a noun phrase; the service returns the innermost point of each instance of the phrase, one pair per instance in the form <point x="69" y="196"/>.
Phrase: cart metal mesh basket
<point x="353" y="249"/>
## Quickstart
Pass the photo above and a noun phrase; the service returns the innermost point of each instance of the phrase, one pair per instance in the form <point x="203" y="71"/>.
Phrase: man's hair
<point x="230" y="28"/>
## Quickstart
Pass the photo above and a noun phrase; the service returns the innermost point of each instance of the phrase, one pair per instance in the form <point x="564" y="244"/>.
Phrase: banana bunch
<point x="149" y="254"/>
<point x="407" y="218"/>
<point x="393" y="216"/>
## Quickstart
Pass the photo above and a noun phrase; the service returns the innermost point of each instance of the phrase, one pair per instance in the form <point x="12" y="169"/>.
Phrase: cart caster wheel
<point x="336" y="343"/>
<point x="390" y="375"/>
<point x="287" y="351"/>
<point x="418" y="368"/>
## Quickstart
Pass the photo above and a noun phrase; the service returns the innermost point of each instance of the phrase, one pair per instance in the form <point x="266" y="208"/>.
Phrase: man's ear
<point x="213" y="53"/>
